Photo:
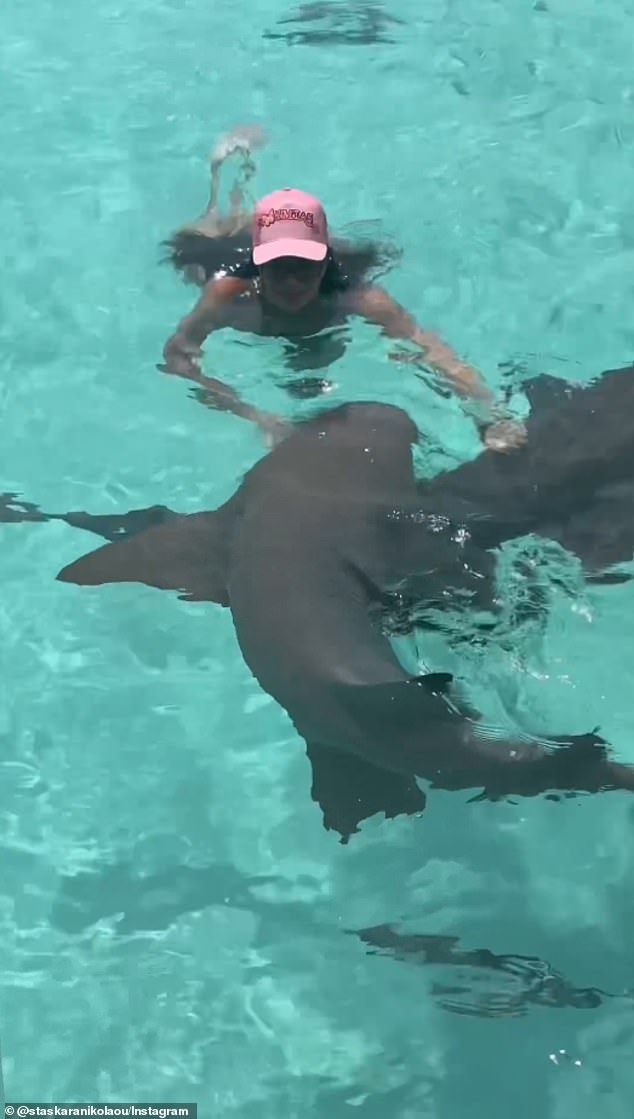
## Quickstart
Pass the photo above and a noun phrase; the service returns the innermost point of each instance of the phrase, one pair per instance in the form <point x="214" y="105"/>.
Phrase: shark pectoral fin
<point x="187" y="554"/>
<point x="349" y="790"/>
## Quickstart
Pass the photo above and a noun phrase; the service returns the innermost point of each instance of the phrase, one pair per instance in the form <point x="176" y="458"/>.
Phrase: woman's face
<point x="291" y="283"/>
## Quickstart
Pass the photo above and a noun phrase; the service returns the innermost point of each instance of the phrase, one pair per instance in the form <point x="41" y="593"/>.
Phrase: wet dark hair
<point x="200" y="257"/>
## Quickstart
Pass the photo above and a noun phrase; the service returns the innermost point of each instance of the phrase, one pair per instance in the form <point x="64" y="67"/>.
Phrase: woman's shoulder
<point x="227" y="287"/>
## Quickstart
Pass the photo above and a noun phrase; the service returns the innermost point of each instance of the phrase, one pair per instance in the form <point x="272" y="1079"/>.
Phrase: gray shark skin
<point x="573" y="482"/>
<point x="331" y="520"/>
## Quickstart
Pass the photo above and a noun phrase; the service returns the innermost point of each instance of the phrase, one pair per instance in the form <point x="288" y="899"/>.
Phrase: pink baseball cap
<point x="289" y="222"/>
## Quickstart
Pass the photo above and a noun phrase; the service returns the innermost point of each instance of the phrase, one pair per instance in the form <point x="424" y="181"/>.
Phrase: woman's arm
<point x="182" y="350"/>
<point x="375" y="305"/>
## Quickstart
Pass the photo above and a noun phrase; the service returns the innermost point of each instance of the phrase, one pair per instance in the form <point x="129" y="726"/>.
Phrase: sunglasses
<point x="293" y="266"/>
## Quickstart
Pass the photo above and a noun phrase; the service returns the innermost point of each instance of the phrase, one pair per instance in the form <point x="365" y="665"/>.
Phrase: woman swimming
<point x="290" y="279"/>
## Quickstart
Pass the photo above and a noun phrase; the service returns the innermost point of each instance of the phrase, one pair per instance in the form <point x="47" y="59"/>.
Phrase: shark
<point x="327" y="524"/>
<point x="468" y="981"/>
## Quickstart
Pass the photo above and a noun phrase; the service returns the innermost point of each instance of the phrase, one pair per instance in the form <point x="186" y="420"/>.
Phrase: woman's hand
<point x="504" y="435"/>
<point x="274" y="428"/>
<point x="181" y="358"/>
<point x="214" y="394"/>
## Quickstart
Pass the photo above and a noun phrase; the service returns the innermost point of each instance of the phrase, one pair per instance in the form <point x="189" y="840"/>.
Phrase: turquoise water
<point x="494" y="143"/>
